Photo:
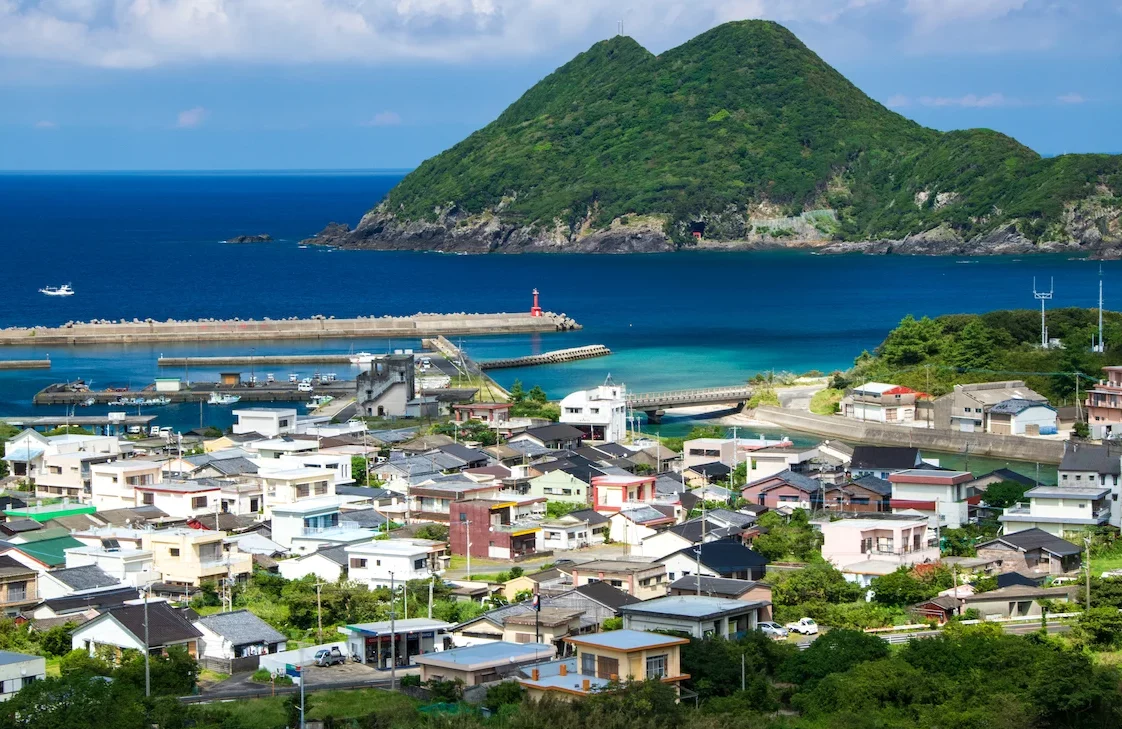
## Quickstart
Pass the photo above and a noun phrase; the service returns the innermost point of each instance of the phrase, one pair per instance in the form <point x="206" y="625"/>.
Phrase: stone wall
<point x="1014" y="447"/>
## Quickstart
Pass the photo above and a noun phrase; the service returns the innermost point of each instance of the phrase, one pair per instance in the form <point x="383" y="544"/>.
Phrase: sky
<point x="385" y="84"/>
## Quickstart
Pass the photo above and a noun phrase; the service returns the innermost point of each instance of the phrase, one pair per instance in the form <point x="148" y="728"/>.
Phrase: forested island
<point x="741" y="137"/>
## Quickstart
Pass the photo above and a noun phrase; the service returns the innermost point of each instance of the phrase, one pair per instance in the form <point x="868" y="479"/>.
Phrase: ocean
<point x="151" y="245"/>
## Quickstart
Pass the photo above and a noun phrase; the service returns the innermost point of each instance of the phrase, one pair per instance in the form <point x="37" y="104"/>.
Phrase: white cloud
<point x="46" y="124"/>
<point x="898" y="101"/>
<point x="190" y="118"/>
<point x="931" y="14"/>
<point x="385" y="119"/>
<point x="1070" y="98"/>
<point x="970" y="101"/>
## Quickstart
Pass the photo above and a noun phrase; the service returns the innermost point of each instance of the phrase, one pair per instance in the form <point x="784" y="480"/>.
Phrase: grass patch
<point x="268" y="713"/>
<point x="763" y="396"/>
<point x="825" y="402"/>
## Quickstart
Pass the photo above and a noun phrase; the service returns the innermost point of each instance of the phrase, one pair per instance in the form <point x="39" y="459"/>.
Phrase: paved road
<point x="798" y="398"/>
<point x="347" y="676"/>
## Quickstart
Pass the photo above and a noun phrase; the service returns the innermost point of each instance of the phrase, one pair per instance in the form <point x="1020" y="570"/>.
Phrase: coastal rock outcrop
<point x="261" y="238"/>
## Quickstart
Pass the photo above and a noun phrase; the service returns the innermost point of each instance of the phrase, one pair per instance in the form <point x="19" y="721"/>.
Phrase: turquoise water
<point x="142" y="245"/>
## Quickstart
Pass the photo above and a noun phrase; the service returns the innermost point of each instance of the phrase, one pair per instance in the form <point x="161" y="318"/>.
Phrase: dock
<point x="317" y="327"/>
<point x="546" y="358"/>
<point x="25" y="364"/>
<point x="263" y="360"/>
<point x="112" y="424"/>
<point x="63" y="394"/>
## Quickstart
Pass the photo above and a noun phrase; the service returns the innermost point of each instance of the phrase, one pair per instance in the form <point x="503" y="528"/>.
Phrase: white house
<point x="17" y="670"/>
<point x="931" y="492"/>
<point x="373" y="563"/>
<point x="275" y="449"/>
<point x="567" y="532"/>
<point x="699" y="616"/>
<point x="600" y="413"/>
<point x="123" y="628"/>
<point x="880" y="402"/>
<point x="238" y="634"/>
<point x="182" y="499"/>
<point x="1022" y="417"/>
<point x="338" y="464"/>
<point x="113" y="485"/>
<point x="130" y="566"/>
<point x="290" y="486"/>
<point x="269" y="422"/>
<point x="635" y="522"/>
<point x="328" y="565"/>
<point x="74" y="581"/>
<point x="307" y="525"/>
<point x="1060" y="510"/>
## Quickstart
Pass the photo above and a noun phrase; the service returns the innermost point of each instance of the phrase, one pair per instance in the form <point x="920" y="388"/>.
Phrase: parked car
<point x="330" y="657"/>
<point x="805" y="626"/>
<point x="772" y="630"/>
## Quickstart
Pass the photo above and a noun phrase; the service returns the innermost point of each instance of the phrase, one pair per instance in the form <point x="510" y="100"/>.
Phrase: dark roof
<point x="887" y="457"/>
<point x="15" y="526"/>
<point x="233" y="466"/>
<point x="9" y="566"/>
<point x="557" y="431"/>
<point x="871" y="482"/>
<point x="605" y="594"/>
<point x="594" y="517"/>
<point x="688" y="500"/>
<point x="691" y="530"/>
<point x="241" y="627"/>
<point x="465" y="454"/>
<point x="165" y="624"/>
<point x="368" y="492"/>
<point x="1008" y="579"/>
<point x="797" y="480"/>
<point x="366" y="518"/>
<point x="724" y="557"/>
<point x="1006" y="474"/>
<point x="616" y="450"/>
<point x="714" y="586"/>
<point x="101" y="600"/>
<point x="338" y="555"/>
<point x="1097" y="459"/>
<point x="88" y="577"/>
<point x="1035" y="538"/>
<point x="225" y="522"/>
<point x="1015" y="406"/>
<point x="713" y="469"/>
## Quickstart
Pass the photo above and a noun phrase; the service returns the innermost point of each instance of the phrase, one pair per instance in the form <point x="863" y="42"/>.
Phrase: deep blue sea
<point x="151" y="245"/>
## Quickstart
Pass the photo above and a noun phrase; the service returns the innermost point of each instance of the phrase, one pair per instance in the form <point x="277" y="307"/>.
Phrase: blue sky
<point x="331" y="84"/>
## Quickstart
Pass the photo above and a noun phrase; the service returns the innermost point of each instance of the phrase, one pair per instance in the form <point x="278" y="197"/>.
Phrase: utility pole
<point x="147" y="649"/>
<point x="393" y="639"/>
<point x="319" y="610"/>
<point x="701" y="543"/>
<point x="1087" y="566"/>
<point x="303" y="703"/>
<point x="431" y="583"/>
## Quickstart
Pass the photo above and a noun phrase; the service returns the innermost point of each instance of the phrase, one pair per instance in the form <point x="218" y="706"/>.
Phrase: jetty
<point x="317" y="327"/>
<point x="111" y="424"/>
<point x="556" y="357"/>
<point x="258" y="360"/>
<point x="64" y="394"/>
<point x="25" y="364"/>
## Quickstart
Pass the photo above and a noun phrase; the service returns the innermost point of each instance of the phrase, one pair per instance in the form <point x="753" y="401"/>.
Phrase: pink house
<point x="612" y="493"/>
<point x="898" y="540"/>
<point x="789" y="489"/>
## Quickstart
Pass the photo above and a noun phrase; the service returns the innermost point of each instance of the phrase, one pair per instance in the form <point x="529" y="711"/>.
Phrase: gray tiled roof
<point x="241" y="627"/>
<point x="1097" y="459"/>
<point x="89" y="577"/>
<point x="1014" y="406"/>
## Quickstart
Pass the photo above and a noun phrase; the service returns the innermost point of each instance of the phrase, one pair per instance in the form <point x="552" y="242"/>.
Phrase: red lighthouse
<point x="535" y="310"/>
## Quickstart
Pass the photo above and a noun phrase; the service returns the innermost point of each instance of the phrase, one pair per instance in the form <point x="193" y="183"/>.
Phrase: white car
<point x="805" y="626"/>
<point x="772" y="630"/>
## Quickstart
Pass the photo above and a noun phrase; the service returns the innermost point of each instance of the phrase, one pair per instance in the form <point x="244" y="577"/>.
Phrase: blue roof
<point x="626" y="640"/>
<point x="571" y="682"/>
<point x="697" y="607"/>
<point x="490" y="653"/>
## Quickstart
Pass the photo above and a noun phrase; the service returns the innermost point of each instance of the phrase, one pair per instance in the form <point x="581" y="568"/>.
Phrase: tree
<point x="435" y="532"/>
<point x="517" y="392"/>
<point x="1101" y="627"/>
<point x="558" y="509"/>
<point x="972" y="347"/>
<point x="446" y="692"/>
<point x="56" y="641"/>
<point x="80" y="663"/>
<point x="793" y="537"/>
<point x="358" y="470"/>
<point x="900" y="588"/>
<point x="912" y="342"/>
<point x="1004" y="494"/>
<point x="818" y="581"/>
<point x="74" y="702"/>
<point x="537" y="394"/>
<point x="834" y="652"/>
<point x="503" y="694"/>
<point x="172" y="674"/>
<point x="1081" y="430"/>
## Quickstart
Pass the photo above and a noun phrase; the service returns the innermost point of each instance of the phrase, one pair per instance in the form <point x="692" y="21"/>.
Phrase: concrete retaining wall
<point x="1014" y="447"/>
<point x="405" y="327"/>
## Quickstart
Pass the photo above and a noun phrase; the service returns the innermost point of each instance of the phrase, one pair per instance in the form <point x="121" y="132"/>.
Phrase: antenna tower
<point x="1043" y="296"/>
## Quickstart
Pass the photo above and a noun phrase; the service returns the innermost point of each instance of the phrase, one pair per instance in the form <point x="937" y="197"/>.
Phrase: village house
<point x="18" y="586"/>
<point x="18" y="670"/>
<point x="554" y="437"/>
<point x="932" y="492"/>
<point x="600" y="413"/>
<point x="789" y="489"/>
<point x="1017" y="601"/>
<point x="612" y="493"/>
<point x="728" y="588"/>
<point x="698" y="616"/>
<point x="1087" y="465"/>
<point x="315" y="523"/>
<point x="725" y="558"/>
<point x="880" y="402"/>
<point x="634" y="523"/>
<point x="123" y="628"/>
<point x="1060" y="510"/>
<point x="728" y="451"/>
<point x="883" y="461"/>
<point x="492" y="529"/>
<point x="549" y="581"/>
<point x="328" y="564"/>
<point x="113" y="485"/>
<point x="234" y="642"/>
<point x="564" y="533"/>
<point x="968" y="407"/>
<point x="1032" y="551"/>
<point x="266" y="422"/>
<point x="376" y="643"/>
<point x="895" y="538"/>
<point x="481" y="663"/>
<point x="131" y="566"/>
<point x="376" y="563"/>
<point x="643" y="580"/>
<point x="192" y="557"/>
<point x="560" y="485"/>
<point x="1104" y="404"/>
<point x="1022" y="417"/>
<point x="618" y="655"/>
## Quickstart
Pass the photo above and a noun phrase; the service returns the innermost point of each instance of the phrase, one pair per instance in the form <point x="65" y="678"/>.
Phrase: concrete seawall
<point x="25" y="364"/>
<point x="1013" y="447"/>
<point x="404" y="327"/>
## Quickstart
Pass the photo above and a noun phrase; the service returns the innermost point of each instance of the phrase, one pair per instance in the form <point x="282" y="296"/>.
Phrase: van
<point x="304" y="387"/>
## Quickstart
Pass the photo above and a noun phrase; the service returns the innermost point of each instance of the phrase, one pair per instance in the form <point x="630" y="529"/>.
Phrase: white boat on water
<point x="63" y="290"/>
<point x="362" y="358"/>
<point x="220" y="399"/>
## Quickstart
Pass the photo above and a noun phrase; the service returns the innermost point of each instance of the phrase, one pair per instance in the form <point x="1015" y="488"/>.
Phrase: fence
<point x="230" y="665"/>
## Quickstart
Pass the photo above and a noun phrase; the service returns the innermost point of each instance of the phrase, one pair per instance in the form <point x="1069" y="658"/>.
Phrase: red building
<point x="490" y="529"/>
<point x="1104" y="400"/>
<point x="611" y="493"/>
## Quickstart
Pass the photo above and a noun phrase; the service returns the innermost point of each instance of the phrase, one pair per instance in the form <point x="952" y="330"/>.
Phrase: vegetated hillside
<point x="934" y="355"/>
<point x="744" y="134"/>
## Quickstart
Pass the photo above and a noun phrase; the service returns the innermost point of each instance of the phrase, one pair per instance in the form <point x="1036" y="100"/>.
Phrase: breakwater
<point x="1014" y="447"/>
<point x="317" y="327"/>
<point x="555" y="357"/>
<point x="255" y="360"/>
<point x="25" y="364"/>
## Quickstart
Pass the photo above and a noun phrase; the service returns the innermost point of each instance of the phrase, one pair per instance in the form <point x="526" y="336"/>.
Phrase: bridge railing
<point x="688" y="394"/>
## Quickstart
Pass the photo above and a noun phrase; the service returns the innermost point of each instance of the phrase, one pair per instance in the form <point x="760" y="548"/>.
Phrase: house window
<point x="358" y="563"/>
<point x="17" y="591"/>
<point x="302" y="490"/>
<point x="463" y="516"/>
<point x="523" y="637"/>
<point x="418" y="564"/>
<point x="198" y="502"/>
<point x="606" y="667"/>
<point x="148" y="499"/>
<point x="321" y="488"/>
<point x="656" y="666"/>
<point x="174" y="551"/>
<point x="588" y="664"/>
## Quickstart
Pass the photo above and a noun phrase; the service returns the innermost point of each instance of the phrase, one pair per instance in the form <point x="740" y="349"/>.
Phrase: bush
<point x="826" y="402"/>
<point x="410" y="680"/>
<point x="446" y="692"/>
<point x="503" y="694"/>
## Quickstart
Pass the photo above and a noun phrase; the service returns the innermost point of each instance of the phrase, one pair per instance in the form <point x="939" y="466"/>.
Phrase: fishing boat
<point x="362" y="358"/>
<point x="217" y="398"/>
<point x="63" y="290"/>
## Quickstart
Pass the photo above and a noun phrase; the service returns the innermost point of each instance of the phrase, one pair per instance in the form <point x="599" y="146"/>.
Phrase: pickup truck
<point x="806" y="626"/>
<point x="332" y="657"/>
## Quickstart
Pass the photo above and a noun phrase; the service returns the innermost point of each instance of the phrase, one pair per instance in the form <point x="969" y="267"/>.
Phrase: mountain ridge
<point x="744" y="137"/>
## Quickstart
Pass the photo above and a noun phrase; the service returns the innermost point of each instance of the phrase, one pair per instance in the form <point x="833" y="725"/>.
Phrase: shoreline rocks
<point x="260" y="238"/>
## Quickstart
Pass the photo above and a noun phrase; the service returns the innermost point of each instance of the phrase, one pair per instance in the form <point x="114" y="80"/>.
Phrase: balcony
<point x="12" y="597"/>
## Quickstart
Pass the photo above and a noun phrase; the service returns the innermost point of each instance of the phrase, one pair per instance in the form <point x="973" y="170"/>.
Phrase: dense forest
<point x="743" y="122"/>
<point x="933" y="355"/>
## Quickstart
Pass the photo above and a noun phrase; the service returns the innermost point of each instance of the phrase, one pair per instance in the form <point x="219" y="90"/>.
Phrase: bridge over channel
<point x="654" y="404"/>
